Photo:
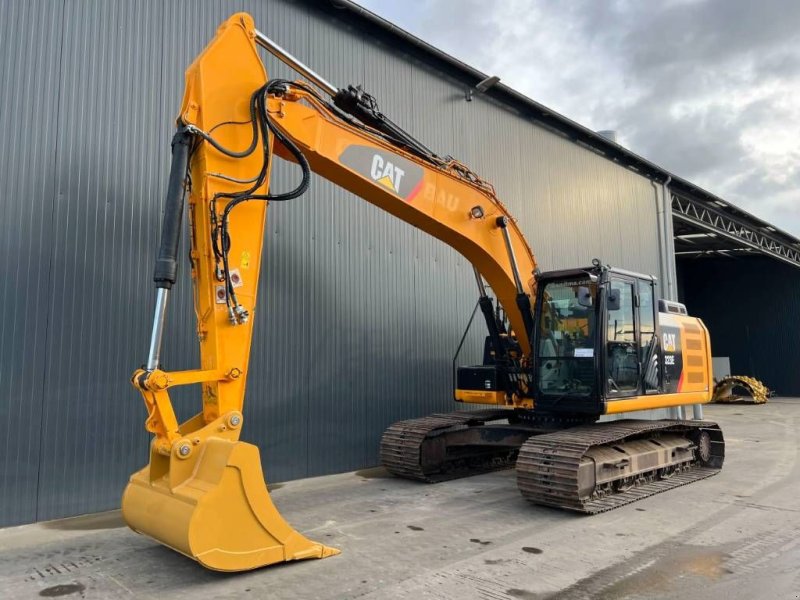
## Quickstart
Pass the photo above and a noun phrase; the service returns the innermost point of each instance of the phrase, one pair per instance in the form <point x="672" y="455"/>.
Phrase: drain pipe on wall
<point x="697" y="409"/>
<point x="662" y="241"/>
<point x="671" y="287"/>
<point x="666" y="254"/>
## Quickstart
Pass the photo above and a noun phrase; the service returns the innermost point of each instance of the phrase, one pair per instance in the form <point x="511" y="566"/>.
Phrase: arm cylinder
<point x="166" y="267"/>
<point x="502" y="223"/>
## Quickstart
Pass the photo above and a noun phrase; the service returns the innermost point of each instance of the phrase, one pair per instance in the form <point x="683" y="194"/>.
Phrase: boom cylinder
<point x="494" y="326"/>
<point x="479" y="281"/>
<point x="523" y="300"/>
<point x="502" y="223"/>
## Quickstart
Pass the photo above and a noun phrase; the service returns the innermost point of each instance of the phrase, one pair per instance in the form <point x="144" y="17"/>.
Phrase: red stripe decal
<point x="415" y="191"/>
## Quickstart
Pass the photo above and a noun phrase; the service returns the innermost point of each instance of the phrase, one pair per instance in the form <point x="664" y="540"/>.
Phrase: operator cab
<point x="594" y="339"/>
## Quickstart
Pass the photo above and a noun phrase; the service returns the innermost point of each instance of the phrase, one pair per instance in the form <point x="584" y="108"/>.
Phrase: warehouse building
<point x="359" y="314"/>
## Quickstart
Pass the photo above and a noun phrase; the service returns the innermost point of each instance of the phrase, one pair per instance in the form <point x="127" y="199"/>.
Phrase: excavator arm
<point x="203" y="492"/>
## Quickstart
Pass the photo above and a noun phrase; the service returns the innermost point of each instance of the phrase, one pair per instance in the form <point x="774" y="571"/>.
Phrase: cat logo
<point x="390" y="171"/>
<point x="386" y="173"/>
<point x="669" y="342"/>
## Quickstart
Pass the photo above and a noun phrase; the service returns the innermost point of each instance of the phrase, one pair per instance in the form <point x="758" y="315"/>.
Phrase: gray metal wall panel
<point x="359" y="314"/>
<point x="750" y="307"/>
<point x="389" y="263"/>
<point x="29" y="115"/>
<point x="108" y="177"/>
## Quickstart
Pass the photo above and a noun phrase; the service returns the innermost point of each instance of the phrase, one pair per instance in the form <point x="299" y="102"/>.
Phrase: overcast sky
<point x="708" y="89"/>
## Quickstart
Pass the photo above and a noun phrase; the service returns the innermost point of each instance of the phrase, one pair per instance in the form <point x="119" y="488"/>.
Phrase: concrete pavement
<point x="735" y="535"/>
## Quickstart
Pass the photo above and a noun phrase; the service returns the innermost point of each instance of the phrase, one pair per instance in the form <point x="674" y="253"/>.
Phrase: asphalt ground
<point x="733" y="536"/>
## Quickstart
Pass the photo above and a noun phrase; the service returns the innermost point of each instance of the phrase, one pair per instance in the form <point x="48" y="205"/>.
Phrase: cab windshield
<point x="566" y="342"/>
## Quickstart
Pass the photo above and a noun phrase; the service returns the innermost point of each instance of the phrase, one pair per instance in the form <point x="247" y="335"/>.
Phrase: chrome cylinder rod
<point x="479" y="281"/>
<point x="158" y="329"/>
<point x="295" y="64"/>
<point x="502" y="223"/>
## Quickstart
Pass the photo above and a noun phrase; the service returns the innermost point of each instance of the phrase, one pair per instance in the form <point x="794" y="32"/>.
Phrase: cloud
<point x="709" y="89"/>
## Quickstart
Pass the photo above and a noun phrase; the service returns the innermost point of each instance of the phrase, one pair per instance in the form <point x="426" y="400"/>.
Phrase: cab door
<point x="649" y="347"/>
<point x="622" y="368"/>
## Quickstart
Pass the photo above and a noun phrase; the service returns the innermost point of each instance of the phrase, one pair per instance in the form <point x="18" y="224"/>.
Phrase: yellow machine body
<point x="203" y="492"/>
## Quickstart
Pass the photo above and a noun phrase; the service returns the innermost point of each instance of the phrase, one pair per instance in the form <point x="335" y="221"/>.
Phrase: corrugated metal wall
<point x="751" y="312"/>
<point x="360" y="313"/>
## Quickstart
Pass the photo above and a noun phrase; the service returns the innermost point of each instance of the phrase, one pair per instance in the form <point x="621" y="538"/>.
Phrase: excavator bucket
<point x="220" y="515"/>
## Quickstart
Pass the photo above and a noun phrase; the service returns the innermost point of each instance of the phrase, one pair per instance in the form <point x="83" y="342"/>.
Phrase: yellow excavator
<point x="568" y="346"/>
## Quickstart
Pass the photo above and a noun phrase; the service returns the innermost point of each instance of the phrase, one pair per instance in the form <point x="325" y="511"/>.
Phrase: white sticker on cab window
<point x="584" y="352"/>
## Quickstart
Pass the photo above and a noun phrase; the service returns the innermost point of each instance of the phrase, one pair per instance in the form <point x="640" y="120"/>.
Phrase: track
<point x="417" y="448"/>
<point x="549" y="455"/>
<point x="547" y="467"/>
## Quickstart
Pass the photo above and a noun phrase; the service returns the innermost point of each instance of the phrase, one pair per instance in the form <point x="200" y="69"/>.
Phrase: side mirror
<point x="613" y="300"/>
<point x="585" y="297"/>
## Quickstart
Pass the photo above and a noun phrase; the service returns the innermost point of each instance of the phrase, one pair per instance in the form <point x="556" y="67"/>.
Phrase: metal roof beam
<point x="713" y="220"/>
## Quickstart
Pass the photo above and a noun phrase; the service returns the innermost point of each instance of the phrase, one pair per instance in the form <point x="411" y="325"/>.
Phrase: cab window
<point x="648" y="349"/>
<point x="647" y="321"/>
<point x="566" y="335"/>
<point x="622" y="358"/>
